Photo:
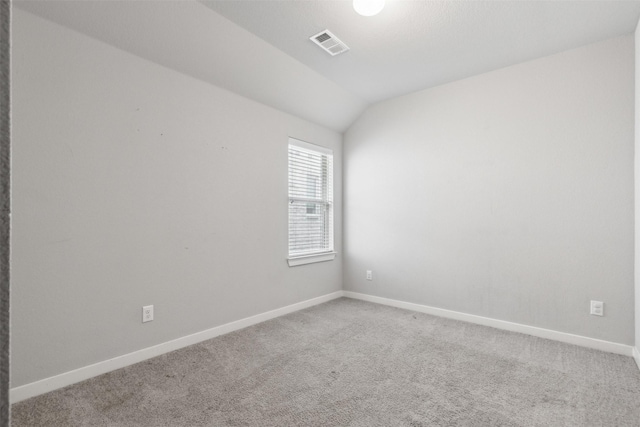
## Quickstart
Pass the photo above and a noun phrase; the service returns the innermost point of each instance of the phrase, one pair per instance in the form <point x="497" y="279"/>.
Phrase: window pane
<point x="310" y="199"/>
<point x="308" y="232"/>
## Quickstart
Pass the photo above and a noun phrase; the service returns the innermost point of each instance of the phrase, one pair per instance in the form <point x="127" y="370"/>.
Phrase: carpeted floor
<point x="353" y="363"/>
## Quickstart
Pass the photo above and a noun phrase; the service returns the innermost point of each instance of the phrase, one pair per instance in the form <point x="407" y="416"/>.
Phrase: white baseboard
<point x="62" y="380"/>
<point x="582" y="341"/>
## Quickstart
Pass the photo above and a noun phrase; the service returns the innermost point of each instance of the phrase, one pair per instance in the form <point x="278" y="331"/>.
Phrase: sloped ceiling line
<point x="261" y="49"/>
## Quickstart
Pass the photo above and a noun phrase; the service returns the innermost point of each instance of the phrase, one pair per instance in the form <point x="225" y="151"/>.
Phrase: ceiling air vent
<point x="329" y="42"/>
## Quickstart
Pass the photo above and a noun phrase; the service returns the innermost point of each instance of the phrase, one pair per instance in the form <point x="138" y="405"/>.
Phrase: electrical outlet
<point x="597" y="308"/>
<point x="369" y="275"/>
<point x="147" y="313"/>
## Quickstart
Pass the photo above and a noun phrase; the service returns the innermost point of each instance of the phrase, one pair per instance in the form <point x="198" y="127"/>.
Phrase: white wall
<point x="136" y="185"/>
<point x="507" y="195"/>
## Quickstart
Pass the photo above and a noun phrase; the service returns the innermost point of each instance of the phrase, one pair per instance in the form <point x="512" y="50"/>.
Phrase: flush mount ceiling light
<point x="368" y="7"/>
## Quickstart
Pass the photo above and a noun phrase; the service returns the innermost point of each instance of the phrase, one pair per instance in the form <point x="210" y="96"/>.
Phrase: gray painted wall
<point x="637" y="187"/>
<point x="135" y="185"/>
<point x="5" y="208"/>
<point x="507" y="195"/>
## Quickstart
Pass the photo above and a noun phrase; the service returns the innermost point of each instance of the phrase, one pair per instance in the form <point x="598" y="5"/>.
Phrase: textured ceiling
<point x="412" y="45"/>
<point x="261" y="49"/>
<point x="194" y="40"/>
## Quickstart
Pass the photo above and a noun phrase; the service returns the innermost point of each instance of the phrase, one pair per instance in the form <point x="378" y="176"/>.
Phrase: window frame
<point x="329" y="253"/>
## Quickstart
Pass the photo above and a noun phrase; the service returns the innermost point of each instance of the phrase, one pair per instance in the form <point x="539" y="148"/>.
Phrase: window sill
<point x="310" y="259"/>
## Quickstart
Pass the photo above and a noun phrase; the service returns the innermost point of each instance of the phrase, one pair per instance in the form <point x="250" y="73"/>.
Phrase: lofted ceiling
<point x="261" y="48"/>
<point x="412" y="45"/>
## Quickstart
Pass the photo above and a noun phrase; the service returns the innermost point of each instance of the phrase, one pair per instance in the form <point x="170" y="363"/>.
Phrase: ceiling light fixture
<point x="368" y="7"/>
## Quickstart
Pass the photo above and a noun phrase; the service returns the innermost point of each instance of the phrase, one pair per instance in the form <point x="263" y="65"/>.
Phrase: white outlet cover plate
<point x="147" y="313"/>
<point x="597" y="308"/>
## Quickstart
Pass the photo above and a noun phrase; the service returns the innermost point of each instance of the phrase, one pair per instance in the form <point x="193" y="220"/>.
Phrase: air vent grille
<point x="330" y="43"/>
<point x="323" y="37"/>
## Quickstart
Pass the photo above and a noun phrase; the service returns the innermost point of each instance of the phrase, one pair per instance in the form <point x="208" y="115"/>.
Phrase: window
<point x="310" y="203"/>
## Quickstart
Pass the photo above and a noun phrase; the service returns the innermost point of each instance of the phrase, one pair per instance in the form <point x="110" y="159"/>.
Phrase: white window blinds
<point x="310" y="199"/>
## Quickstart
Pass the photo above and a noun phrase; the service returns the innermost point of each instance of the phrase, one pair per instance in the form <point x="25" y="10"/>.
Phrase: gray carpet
<point x="352" y="363"/>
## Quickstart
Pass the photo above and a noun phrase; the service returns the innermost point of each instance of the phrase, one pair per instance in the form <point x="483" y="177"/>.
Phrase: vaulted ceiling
<point x="261" y="49"/>
<point x="412" y="45"/>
